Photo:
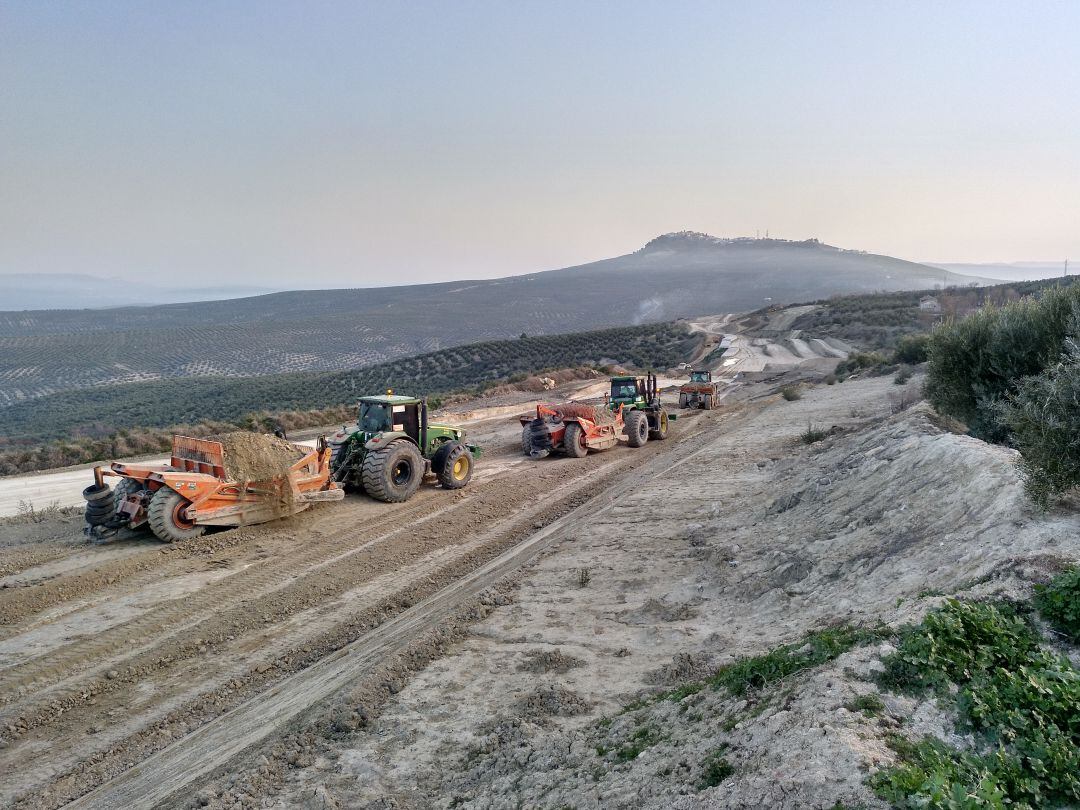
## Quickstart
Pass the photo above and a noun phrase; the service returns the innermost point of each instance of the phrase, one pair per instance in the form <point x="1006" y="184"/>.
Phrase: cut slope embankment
<point x="757" y="543"/>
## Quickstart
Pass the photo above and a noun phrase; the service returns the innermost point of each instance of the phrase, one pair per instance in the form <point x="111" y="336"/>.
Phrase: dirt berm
<point x="758" y="542"/>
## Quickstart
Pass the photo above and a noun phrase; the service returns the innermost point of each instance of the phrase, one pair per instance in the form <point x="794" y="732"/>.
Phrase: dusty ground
<point x="490" y="648"/>
<point x="752" y="544"/>
<point x="111" y="653"/>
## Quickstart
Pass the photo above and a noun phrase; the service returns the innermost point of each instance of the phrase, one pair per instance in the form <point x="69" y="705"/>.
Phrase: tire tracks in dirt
<point x="172" y="769"/>
<point x="207" y="639"/>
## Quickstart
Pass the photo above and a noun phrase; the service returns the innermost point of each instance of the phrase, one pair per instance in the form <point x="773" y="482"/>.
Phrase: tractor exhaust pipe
<point x="423" y="425"/>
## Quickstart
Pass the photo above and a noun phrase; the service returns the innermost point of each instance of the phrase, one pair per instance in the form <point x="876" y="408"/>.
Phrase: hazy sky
<point x="316" y="143"/>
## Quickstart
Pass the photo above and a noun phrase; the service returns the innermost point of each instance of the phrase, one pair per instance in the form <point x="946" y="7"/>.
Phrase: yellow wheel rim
<point x="461" y="466"/>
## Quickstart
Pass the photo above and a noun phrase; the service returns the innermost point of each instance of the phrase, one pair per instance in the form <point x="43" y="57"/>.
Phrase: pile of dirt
<point x="597" y="414"/>
<point x="549" y="661"/>
<point x="257" y="456"/>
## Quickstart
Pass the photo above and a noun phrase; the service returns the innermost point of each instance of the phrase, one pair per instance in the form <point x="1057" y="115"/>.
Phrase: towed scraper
<point x="180" y="499"/>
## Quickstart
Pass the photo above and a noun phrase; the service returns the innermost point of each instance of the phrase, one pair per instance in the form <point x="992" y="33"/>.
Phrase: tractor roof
<point x="624" y="378"/>
<point x="391" y="399"/>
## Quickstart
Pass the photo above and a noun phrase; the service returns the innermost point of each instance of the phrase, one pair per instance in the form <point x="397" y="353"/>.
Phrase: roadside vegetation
<point x="990" y="667"/>
<point x="90" y="424"/>
<point x="1011" y="374"/>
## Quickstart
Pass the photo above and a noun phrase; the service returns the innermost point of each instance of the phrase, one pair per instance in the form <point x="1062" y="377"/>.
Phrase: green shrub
<point x="1044" y="423"/>
<point x="912" y="349"/>
<point x="974" y="363"/>
<point x="859" y="361"/>
<point x="812" y="434"/>
<point x="1059" y="602"/>
<point x="791" y="393"/>
<point x="902" y="376"/>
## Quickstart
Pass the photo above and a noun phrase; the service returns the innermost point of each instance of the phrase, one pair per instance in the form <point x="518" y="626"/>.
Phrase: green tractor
<point x="643" y="414"/>
<point x="393" y="447"/>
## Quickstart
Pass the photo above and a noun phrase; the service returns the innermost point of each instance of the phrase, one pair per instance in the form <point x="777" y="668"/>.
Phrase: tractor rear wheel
<point x="637" y="428"/>
<point x="683" y="400"/>
<point x="393" y="474"/>
<point x="659" y="433"/>
<point x="165" y="516"/>
<point x="708" y="402"/>
<point x="456" y="468"/>
<point x="574" y="441"/>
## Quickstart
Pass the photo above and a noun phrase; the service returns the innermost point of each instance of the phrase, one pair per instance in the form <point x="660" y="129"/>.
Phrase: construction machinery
<point x="639" y="398"/>
<point x="392" y="447"/>
<point x="699" y="392"/>
<point x="573" y="429"/>
<point x="179" y="500"/>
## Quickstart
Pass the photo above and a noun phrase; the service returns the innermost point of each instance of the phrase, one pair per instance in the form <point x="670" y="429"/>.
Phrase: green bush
<point x="791" y="393"/>
<point x="1059" y="602"/>
<point x="715" y="768"/>
<point x="974" y="363"/>
<point x="1044" y="424"/>
<point x="859" y="361"/>
<point x="912" y="349"/>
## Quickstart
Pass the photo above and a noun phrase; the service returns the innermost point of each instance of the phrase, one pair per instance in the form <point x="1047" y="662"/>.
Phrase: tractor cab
<point x="627" y="391"/>
<point x="389" y="414"/>
<point x="701" y="376"/>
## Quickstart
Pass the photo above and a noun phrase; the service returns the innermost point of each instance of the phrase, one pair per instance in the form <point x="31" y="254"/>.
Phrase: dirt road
<point x="120" y="664"/>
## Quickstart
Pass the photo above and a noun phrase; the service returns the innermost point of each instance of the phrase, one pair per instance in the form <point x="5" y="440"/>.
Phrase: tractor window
<point x="374" y="417"/>
<point x="699" y="376"/>
<point x="624" y="390"/>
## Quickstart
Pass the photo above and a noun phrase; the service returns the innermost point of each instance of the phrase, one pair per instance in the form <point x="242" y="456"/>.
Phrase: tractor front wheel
<point x="637" y="428"/>
<point x="393" y="474"/>
<point x="456" y="466"/>
<point x="166" y="517"/>
<point x="683" y="399"/>
<point x="574" y="441"/>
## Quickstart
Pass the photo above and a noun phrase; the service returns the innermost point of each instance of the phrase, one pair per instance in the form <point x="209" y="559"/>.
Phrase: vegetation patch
<point x="812" y="434"/>
<point x="1059" y="603"/>
<point x="1020" y="700"/>
<point x="715" y="768"/>
<point x="762" y="670"/>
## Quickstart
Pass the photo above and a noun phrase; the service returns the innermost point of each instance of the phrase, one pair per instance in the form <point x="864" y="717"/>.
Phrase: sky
<point x="356" y="143"/>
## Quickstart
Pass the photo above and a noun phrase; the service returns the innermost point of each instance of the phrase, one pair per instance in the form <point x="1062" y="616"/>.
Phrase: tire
<point x="95" y="516"/>
<point x="126" y="488"/>
<point x="573" y="443"/>
<point x="526" y="440"/>
<point x="708" y="402"/>
<point x="96" y="493"/>
<point x="163" y="515"/>
<point x="393" y="474"/>
<point x="457" y="466"/>
<point x="683" y="398"/>
<point x="636" y="428"/>
<point x="659" y="433"/>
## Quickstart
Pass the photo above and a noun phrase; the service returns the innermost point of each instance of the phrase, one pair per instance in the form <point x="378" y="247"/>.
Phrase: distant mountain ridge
<point x="673" y="276"/>
<point x="34" y="291"/>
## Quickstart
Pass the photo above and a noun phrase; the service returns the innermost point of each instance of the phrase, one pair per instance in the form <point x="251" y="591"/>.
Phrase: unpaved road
<point x="112" y="654"/>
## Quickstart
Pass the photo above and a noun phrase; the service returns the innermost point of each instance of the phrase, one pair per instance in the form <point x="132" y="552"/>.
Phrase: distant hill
<point x="675" y="275"/>
<point x="25" y="291"/>
<point x="1010" y="271"/>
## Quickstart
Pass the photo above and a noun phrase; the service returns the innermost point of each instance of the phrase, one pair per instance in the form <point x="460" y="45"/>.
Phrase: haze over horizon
<point x="369" y="144"/>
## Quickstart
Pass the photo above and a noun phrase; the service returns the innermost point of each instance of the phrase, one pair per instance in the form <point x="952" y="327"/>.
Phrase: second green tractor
<point x="393" y="447"/>
<point x="643" y="414"/>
